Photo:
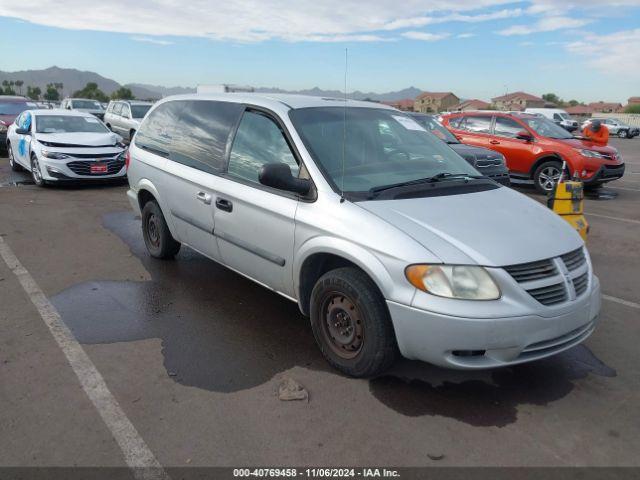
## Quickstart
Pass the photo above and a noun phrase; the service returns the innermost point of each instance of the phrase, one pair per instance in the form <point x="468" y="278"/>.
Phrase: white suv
<point x="385" y="237"/>
<point x="124" y="116"/>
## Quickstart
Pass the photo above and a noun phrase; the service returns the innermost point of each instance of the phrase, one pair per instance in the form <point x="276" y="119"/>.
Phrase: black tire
<point x="157" y="237"/>
<point x="36" y="172"/>
<point x="345" y="303"/>
<point x="622" y="133"/>
<point x="546" y="175"/>
<point x="12" y="161"/>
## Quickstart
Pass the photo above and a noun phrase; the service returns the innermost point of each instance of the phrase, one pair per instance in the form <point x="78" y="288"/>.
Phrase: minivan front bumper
<point x="477" y="343"/>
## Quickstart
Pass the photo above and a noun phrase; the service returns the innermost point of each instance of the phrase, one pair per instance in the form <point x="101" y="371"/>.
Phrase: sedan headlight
<point x="453" y="281"/>
<point x="54" y="155"/>
<point x="589" y="153"/>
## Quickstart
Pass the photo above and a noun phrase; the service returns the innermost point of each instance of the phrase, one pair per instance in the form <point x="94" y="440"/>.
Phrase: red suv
<point x="535" y="147"/>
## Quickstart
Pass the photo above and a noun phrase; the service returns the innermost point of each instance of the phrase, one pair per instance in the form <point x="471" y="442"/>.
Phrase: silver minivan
<point x="124" y="116"/>
<point x="387" y="239"/>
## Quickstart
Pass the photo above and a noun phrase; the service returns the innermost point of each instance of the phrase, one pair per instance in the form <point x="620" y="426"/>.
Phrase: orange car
<point x="535" y="147"/>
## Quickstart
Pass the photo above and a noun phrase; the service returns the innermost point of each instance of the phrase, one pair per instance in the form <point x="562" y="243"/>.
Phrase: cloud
<point x="453" y="17"/>
<point x="545" y="24"/>
<point x="603" y="52"/>
<point x="425" y="36"/>
<point x="465" y="35"/>
<point x="155" y="41"/>
<point x="251" y="20"/>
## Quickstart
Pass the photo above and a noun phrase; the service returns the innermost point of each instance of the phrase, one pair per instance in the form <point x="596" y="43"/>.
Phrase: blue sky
<point x="588" y="50"/>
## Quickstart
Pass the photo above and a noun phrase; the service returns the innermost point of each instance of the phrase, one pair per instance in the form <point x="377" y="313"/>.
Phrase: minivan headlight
<point x="465" y="282"/>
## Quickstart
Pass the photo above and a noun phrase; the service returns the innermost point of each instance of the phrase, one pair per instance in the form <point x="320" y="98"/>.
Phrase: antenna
<point x="344" y="123"/>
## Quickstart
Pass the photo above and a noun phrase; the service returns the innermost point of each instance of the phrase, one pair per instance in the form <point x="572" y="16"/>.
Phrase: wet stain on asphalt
<point x="224" y="333"/>
<point x="489" y="398"/>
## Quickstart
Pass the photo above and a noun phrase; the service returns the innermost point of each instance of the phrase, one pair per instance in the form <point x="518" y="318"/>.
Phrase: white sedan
<point x="59" y="146"/>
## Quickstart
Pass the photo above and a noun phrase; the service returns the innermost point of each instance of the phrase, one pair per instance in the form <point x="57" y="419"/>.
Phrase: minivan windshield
<point x="432" y="125"/>
<point x="546" y="128"/>
<point x="68" y="124"/>
<point x="380" y="148"/>
<point x="139" y="111"/>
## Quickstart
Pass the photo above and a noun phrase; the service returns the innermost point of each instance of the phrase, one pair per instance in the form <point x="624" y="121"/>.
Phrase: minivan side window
<point x="259" y="141"/>
<point x="505" y="127"/>
<point x="478" y="124"/>
<point x="158" y="130"/>
<point x="201" y="133"/>
<point x="124" y="110"/>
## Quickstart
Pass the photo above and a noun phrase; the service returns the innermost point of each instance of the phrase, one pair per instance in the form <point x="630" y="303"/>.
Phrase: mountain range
<point x="74" y="80"/>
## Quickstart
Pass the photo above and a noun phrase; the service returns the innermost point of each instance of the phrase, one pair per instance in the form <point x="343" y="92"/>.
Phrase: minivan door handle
<point x="223" y="204"/>
<point x="204" y="198"/>
<point x="494" y="142"/>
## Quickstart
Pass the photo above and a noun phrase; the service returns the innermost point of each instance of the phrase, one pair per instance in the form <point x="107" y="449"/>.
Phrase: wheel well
<point x="145" y="196"/>
<point x="312" y="269"/>
<point x="547" y="158"/>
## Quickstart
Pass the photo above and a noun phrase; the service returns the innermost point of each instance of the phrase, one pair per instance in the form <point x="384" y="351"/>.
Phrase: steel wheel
<point x="343" y="326"/>
<point x="153" y="230"/>
<point x="548" y="177"/>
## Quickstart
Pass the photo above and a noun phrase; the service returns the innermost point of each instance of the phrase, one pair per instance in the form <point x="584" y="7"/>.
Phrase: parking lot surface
<point x="194" y="353"/>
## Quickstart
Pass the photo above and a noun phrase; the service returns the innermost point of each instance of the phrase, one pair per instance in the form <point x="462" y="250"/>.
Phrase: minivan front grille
<point x="574" y="260"/>
<point x="549" y="295"/>
<point x="526" y="272"/>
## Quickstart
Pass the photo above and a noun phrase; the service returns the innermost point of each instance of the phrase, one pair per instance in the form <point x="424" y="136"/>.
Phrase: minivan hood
<point x="80" y="138"/>
<point x="497" y="227"/>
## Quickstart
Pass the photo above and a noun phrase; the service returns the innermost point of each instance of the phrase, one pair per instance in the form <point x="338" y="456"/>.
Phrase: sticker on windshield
<point x="91" y="120"/>
<point x="408" y="123"/>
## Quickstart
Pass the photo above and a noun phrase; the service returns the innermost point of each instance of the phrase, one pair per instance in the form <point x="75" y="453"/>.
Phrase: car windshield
<point x="68" y="124"/>
<point x="546" y="128"/>
<point x="565" y="116"/>
<point x="139" y="111"/>
<point x="432" y="125"/>
<point x="379" y="147"/>
<point x="87" y="104"/>
<point x="14" y="108"/>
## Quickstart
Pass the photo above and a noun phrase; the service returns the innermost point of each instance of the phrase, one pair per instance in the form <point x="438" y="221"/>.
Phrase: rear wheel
<point x="351" y="323"/>
<point x="157" y="237"/>
<point x="622" y="133"/>
<point x="547" y="175"/>
<point x="12" y="161"/>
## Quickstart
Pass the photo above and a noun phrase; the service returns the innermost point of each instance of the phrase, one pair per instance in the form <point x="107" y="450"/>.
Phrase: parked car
<point x="405" y="249"/>
<point x="59" y="146"/>
<point x="535" y="148"/>
<point x="87" y="105"/>
<point x="488" y="162"/>
<point x="10" y="107"/>
<point x="615" y="127"/>
<point x="557" y="116"/>
<point x="124" y="116"/>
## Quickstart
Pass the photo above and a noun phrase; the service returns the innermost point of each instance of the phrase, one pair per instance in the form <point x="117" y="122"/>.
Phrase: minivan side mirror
<point x="524" y="135"/>
<point x="22" y="131"/>
<point x="278" y="175"/>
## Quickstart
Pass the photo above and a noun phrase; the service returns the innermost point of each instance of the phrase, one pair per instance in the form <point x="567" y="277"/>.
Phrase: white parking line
<point x="629" y="220"/>
<point x="621" y="301"/>
<point x="136" y="452"/>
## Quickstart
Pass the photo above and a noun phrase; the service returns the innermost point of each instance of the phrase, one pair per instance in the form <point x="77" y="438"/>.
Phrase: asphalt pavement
<point x="193" y="355"/>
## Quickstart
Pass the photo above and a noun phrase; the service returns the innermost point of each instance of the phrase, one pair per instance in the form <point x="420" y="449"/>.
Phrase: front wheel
<point x="547" y="176"/>
<point x="351" y="323"/>
<point x="622" y="133"/>
<point x="36" y="173"/>
<point x="157" y="237"/>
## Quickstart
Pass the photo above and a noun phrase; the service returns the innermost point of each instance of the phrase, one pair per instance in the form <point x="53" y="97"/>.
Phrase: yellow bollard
<point x="567" y="200"/>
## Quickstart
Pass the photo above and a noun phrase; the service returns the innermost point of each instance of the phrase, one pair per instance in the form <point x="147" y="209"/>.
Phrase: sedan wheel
<point x="622" y="133"/>
<point x="36" y="174"/>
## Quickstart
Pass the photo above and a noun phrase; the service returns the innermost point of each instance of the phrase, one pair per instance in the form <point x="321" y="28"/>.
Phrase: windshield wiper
<point x="436" y="178"/>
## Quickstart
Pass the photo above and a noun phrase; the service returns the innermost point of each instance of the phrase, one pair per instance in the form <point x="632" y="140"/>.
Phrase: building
<point x="580" y="112"/>
<point x="518" y="101"/>
<point x="405" y="104"/>
<point x="432" y="102"/>
<point x="606" y="107"/>
<point x="634" y="101"/>
<point x="474" y="104"/>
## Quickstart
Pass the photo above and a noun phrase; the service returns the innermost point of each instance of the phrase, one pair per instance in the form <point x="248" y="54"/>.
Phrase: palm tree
<point x="59" y="86"/>
<point x="19" y="84"/>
